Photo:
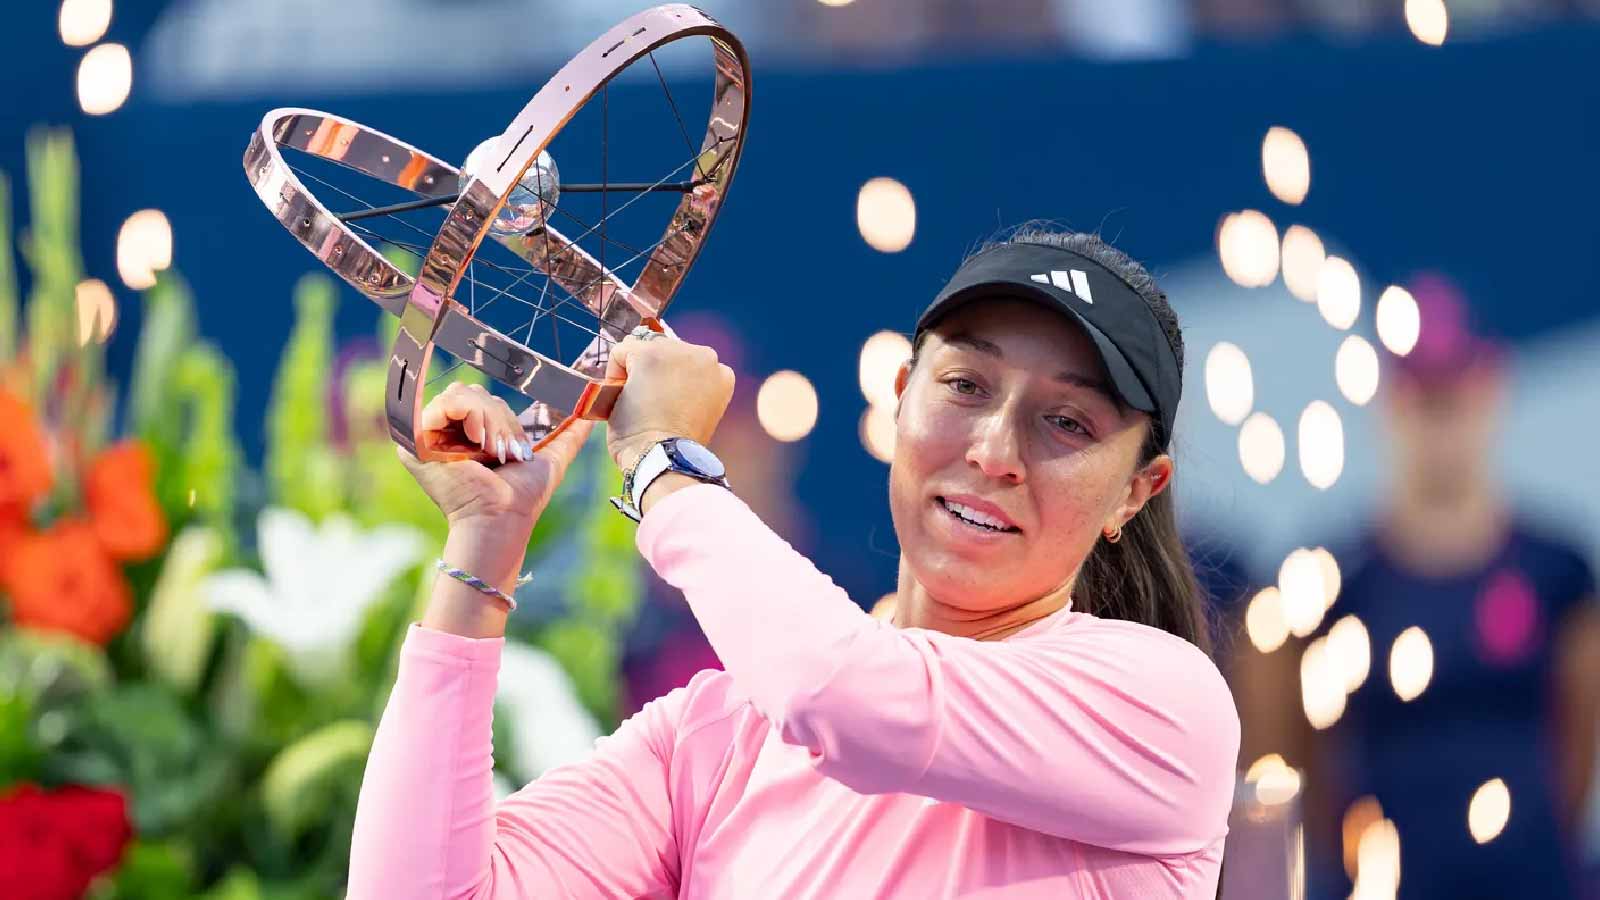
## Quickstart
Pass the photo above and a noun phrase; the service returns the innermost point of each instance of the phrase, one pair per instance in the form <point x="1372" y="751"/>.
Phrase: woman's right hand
<point x="512" y="496"/>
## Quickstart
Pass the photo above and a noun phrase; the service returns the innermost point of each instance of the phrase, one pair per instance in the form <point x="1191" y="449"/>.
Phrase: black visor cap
<point x="1132" y="344"/>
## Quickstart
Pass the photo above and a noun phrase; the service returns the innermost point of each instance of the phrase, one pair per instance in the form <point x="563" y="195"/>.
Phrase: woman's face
<point x="1011" y="456"/>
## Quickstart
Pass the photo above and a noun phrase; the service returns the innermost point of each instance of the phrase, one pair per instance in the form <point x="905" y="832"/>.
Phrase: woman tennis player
<point x="1039" y="720"/>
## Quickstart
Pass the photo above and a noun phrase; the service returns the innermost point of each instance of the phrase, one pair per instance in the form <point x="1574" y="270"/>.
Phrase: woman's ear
<point x="901" y="379"/>
<point x="1151" y="479"/>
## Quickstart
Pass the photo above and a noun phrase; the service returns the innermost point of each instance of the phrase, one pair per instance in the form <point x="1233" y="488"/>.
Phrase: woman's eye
<point x="1069" y="424"/>
<point x="963" y="385"/>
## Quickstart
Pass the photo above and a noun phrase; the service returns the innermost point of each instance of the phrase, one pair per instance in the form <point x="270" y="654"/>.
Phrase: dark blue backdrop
<point x="1477" y="158"/>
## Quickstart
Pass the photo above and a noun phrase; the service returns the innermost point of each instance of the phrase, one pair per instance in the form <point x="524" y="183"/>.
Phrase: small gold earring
<point x="1114" y="535"/>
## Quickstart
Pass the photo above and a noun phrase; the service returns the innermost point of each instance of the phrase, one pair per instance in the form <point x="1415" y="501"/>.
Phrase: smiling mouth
<point x="972" y="517"/>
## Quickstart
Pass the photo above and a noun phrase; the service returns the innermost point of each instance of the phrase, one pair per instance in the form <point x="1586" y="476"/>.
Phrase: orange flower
<point x="62" y="580"/>
<point x="24" y="457"/>
<point x="122" y="504"/>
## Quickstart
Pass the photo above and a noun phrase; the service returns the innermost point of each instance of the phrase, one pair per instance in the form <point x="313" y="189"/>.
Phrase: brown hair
<point x="1147" y="576"/>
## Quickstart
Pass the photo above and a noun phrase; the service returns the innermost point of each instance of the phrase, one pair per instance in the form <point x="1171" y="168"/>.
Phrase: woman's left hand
<point x="674" y="389"/>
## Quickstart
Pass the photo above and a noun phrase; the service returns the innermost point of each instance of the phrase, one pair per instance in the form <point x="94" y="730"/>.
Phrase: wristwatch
<point x="678" y="454"/>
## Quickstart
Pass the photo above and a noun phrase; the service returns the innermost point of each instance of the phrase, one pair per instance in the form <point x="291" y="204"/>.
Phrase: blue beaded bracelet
<point x="468" y="578"/>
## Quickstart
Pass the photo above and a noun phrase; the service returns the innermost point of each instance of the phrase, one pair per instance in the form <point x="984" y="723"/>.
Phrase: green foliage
<point x="177" y="628"/>
<point x="162" y="870"/>
<point x="138" y="735"/>
<point x="296" y="787"/>
<point x="51" y="249"/>
<point x="180" y="405"/>
<point x="8" y="276"/>
<point x="302" y="471"/>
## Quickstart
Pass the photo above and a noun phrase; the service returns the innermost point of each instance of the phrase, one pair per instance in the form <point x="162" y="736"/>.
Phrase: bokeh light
<point x="1355" y="369"/>
<point x="1321" y="445"/>
<point x="1410" y="663"/>
<point x="97" y="311"/>
<point x="1361" y="815"/>
<point x="1247" y="243"/>
<point x="1304" y="594"/>
<point x="105" y="77"/>
<point x="1263" y="765"/>
<point x="1228" y="383"/>
<point x="1378" y="862"/>
<point x="1428" y="20"/>
<point x="1261" y="448"/>
<point x="1303" y="255"/>
<point x="877" y="432"/>
<point x="1275" y="782"/>
<point x="1339" y="292"/>
<point x="1399" y="320"/>
<point x="1332" y="581"/>
<point x="1286" y="165"/>
<point x="1489" y="810"/>
<point x="886" y="215"/>
<point x="1322" y="693"/>
<point x="1264" y="621"/>
<point x="1350" y="650"/>
<point x="144" y="247"/>
<point x="82" y="22"/>
<point x="881" y="357"/>
<point x="786" y="405"/>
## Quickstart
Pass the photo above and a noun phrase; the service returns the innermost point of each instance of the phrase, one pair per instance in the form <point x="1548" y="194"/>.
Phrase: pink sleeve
<point x="427" y="825"/>
<point x="1104" y="732"/>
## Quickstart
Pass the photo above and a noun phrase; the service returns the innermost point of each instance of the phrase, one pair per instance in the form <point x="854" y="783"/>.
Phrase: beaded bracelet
<point x="468" y="578"/>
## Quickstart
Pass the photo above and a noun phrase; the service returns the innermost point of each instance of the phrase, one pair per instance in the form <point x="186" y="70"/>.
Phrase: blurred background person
<point x="1484" y="662"/>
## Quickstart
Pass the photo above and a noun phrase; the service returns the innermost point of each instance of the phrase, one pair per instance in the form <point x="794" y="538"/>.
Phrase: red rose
<point x="53" y="844"/>
<point x="95" y="824"/>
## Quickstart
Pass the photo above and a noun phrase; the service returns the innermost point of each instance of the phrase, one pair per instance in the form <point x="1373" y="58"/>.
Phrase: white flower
<point x="549" y="727"/>
<point x="319" y="582"/>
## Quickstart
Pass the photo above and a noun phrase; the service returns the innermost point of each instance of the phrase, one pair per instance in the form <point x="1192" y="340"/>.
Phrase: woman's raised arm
<point x="427" y="825"/>
<point x="1101" y="731"/>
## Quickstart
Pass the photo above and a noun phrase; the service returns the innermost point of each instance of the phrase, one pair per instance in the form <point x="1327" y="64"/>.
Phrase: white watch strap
<point x="649" y="469"/>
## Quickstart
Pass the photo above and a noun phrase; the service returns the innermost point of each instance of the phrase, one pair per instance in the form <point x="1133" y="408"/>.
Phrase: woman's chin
<point x="960" y="582"/>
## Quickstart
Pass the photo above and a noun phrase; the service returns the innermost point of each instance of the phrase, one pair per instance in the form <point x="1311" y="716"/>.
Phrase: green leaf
<point x="294" y="790"/>
<point x="50" y="668"/>
<point x="302" y="471"/>
<point x="51" y="249"/>
<point x="168" y="329"/>
<point x="211" y="456"/>
<point x="239" y="884"/>
<point x="177" y="627"/>
<point x="9" y="309"/>
<point x="20" y="753"/>
<point x="150" y="871"/>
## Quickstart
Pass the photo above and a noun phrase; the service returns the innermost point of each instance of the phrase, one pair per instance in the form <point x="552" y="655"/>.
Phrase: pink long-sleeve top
<point x="836" y="757"/>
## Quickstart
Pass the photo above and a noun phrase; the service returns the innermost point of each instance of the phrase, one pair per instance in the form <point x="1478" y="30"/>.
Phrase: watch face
<point x="698" y="458"/>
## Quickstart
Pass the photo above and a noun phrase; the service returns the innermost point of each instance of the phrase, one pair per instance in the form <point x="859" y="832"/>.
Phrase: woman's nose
<point x="995" y="448"/>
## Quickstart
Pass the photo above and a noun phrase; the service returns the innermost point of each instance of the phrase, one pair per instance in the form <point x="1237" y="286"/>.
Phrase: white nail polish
<point x="500" y="448"/>
<point x="527" y="450"/>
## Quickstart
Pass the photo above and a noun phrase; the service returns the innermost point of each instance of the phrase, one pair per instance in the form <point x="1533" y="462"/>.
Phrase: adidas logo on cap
<point x="1073" y="281"/>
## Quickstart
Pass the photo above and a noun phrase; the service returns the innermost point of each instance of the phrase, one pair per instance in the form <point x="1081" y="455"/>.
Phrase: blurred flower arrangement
<point x="194" y="653"/>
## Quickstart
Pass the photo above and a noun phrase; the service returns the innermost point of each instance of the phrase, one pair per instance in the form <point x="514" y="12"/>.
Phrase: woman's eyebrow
<point x="1076" y="379"/>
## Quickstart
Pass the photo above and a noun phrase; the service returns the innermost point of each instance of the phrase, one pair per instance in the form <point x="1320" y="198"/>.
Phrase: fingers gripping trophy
<point x="511" y="261"/>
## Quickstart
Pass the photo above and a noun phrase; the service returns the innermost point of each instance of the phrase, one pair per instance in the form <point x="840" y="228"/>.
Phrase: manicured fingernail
<point x="524" y="450"/>
<point x="500" y="448"/>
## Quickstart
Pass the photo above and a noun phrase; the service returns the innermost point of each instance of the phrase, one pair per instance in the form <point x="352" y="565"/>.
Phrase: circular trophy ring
<point x="429" y="314"/>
